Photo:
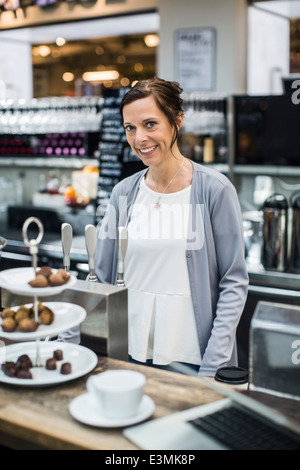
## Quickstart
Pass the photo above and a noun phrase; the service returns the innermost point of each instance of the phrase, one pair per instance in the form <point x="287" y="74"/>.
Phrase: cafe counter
<point x="39" y="418"/>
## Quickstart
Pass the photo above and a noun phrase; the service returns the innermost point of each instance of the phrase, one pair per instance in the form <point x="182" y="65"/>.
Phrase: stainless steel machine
<point x="275" y="350"/>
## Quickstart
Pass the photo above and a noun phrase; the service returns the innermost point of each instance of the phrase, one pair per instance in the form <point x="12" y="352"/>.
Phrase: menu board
<point x="195" y="57"/>
<point x="116" y="159"/>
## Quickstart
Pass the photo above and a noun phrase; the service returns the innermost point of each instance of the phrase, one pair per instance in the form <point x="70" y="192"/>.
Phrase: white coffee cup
<point x="118" y="392"/>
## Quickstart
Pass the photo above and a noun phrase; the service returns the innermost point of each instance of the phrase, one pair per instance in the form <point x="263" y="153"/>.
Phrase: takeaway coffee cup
<point x="118" y="392"/>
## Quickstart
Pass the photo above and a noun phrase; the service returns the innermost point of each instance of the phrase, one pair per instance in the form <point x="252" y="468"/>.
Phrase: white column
<point x="228" y="17"/>
<point x="268" y="51"/>
<point x="15" y="65"/>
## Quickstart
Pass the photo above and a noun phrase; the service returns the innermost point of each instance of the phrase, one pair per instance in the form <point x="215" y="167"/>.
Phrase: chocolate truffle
<point x="22" y="312"/>
<point x="7" y="313"/>
<point x="9" y="368"/>
<point x="45" y="271"/>
<point x="63" y="274"/>
<point x="24" y="362"/>
<point x="5" y="364"/>
<point x="58" y="354"/>
<point x="39" y="281"/>
<point x="46" y="316"/>
<point x="51" y="363"/>
<point x="56" y="280"/>
<point x="23" y="374"/>
<point x="9" y="324"/>
<point x="27" y="325"/>
<point x="66" y="368"/>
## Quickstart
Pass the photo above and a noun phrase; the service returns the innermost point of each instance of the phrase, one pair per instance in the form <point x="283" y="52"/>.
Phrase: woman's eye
<point x="128" y="128"/>
<point x="151" y="124"/>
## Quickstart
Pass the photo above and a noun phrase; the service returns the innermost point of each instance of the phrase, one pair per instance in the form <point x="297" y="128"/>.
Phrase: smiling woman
<point x="184" y="266"/>
<point x="153" y="115"/>
<point x="149" y="133"/>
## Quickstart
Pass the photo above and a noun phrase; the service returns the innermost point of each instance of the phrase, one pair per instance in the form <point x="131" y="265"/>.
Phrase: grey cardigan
<point x="214" y="255"/>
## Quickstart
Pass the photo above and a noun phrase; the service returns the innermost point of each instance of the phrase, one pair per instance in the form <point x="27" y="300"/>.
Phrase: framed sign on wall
<point x="195" y="58"/>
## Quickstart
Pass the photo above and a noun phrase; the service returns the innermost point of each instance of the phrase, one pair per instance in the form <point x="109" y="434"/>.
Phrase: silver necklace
<point x="157" y="204"/>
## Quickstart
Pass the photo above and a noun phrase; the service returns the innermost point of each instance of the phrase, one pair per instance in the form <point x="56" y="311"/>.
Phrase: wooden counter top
<point x="35" y="418"/>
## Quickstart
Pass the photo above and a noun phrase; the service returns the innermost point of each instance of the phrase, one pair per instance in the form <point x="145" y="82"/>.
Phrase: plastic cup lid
<point x="232" y="375"/>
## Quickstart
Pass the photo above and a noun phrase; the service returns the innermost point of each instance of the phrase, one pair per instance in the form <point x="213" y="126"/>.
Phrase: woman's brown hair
<point x="167" y="97"/>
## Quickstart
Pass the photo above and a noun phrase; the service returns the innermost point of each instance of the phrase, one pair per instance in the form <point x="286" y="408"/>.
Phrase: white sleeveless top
<point x="160" y="312"/>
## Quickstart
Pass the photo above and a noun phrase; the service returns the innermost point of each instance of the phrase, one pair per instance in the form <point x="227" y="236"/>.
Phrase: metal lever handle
<point x="66" y="237"/>
<point x="33" y="244"/>
<point x="122" y="248"/>
<point x="33" y="249"/>
<point x="3" y="243"/>
<point x="91" y="242"/>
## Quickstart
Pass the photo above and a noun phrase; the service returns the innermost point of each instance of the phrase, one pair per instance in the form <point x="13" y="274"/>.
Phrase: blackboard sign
<point x="116" y="159"/>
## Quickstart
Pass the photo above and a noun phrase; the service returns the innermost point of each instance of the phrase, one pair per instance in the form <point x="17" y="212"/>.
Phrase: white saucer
<point x="85" y="409"/>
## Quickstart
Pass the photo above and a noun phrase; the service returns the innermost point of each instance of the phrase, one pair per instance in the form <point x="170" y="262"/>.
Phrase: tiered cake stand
<point x="36" y="344"/>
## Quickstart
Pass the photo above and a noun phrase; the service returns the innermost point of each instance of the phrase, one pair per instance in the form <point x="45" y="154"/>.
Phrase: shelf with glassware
<point x="50" y="162"/>
<point x="65" y="129"/>
<point x="65" y="132"/>
<point x="63" y="144"/>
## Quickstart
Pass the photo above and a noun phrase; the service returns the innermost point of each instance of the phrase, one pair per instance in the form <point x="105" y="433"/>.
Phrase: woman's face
<point x="148" y="130"/>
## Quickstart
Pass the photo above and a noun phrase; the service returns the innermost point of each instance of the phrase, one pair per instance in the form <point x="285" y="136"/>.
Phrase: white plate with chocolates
<point x="60" y="362"/>
<point x="18" y="323"/>
<point x="47" y="281"/>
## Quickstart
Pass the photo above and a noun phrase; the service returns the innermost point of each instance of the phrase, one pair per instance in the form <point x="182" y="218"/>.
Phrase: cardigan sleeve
<point x="227" y="228"/>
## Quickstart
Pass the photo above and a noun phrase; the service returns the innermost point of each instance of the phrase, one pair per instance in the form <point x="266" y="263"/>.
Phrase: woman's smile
<point x="148" y="150"/>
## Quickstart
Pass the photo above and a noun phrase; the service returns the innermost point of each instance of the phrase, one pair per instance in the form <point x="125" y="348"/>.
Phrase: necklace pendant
<point x="157" y="205"/>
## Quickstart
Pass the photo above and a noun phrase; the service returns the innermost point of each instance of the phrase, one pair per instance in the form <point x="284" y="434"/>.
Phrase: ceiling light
<point x="125" y="81"/>
<point x="121" y="59"/>
<point x="100" y="76"/>
<point x="44" y="51"/>
<point x="60" y="41"/>
<point x="68" y="77"/>
<point x="151" y="40"/>
<point x="138" y="67"/>
<point x="99" y="50"/>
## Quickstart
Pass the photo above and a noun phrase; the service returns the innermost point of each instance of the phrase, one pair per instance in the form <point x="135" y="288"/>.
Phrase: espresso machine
<point x="105" y="327"/>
